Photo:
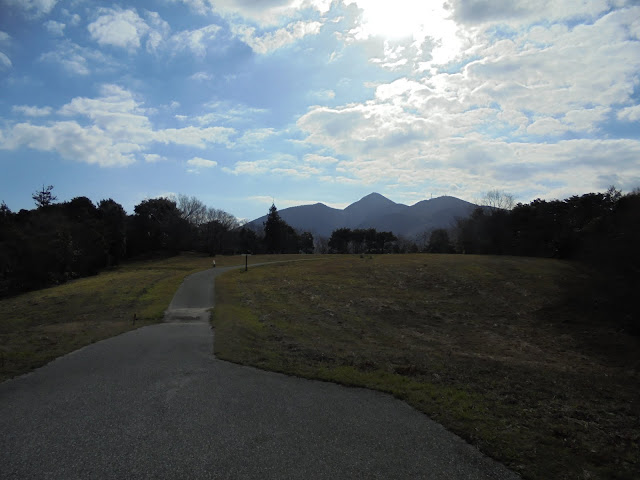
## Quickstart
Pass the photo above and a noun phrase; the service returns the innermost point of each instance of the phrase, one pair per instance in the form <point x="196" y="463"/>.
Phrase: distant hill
<point x="375" y="211"/>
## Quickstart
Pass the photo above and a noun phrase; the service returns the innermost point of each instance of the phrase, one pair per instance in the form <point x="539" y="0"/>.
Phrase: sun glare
<point x="394" y="19"/>
<point x="415" y="19"/>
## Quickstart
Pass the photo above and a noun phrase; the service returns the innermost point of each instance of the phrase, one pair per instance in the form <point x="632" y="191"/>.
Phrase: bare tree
<point x="321" y="244"/>
<point x="498" y="200"/>
<point x="225" y="219"/>
<point x="192" y="209"/>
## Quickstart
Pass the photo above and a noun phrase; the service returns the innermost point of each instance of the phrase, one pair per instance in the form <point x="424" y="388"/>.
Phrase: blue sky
<point x="242" y="103"/>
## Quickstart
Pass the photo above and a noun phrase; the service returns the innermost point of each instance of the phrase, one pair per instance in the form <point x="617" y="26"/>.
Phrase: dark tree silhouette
<point x="345" y="240"/>
<point x="339" y="241"/>
<point x="273" y="231"/>
<point x="44" y="197"/>
<point x="280" y="237"/>
<point x="114" y="227"/>
<point x="439" y="242"/>
<point x="158" y="226"/>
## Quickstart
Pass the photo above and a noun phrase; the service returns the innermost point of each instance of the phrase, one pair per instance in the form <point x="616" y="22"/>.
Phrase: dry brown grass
<point x="488" y="346"/>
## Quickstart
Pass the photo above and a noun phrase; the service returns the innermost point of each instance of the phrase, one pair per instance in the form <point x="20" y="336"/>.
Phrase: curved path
<point x="154" y="403"/>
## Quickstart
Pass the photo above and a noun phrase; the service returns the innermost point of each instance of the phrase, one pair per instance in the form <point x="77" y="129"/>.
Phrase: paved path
<point x="155" y="404"/>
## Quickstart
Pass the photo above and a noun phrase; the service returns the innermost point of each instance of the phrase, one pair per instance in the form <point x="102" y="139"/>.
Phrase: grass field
<point x="39" y="326"/>
<point x="494" y="348"/>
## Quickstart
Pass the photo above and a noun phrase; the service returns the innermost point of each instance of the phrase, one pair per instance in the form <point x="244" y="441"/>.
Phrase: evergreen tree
<point x="273" y="231"/>
<point x="44" y="197"/>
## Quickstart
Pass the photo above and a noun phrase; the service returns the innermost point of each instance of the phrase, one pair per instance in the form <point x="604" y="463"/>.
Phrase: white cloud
<point x="585" y="119"/>
<point x="153" y="157"/>
<point x="630" y="114"/>
<point x="547" y="127"/>
<point x="33" y="8"/>
<point x="271" y="41"/>
<point x="118" y="128"/>
<point x="201" y="76"/>
<point x="508" y="88"/>
<point x="325" y="94"/>
<point x="71" y="141"/>
<point x="77" y="60"/>
<point x="517" y="12"/>
<point x="463" y="165"/>
<point x="228" y="112"/>
<point x="255" y="136"/>
<point x="69" y="58"/>
<point x="264" y="12"/>
<point x="5" y="62"/>
<point x="406" y="34"/>
<point x="201" y="162"/>
<point x="159" y="30"/>
<point x="126" y="29"/>
<point x="73" y="18"/>
<point x="32" y="111"/>
<point x="115" y="111"/>
<point x="194" y="136"/>
<point x="55" y="28"/>
<point x="198" y="41"/>
<point x="320" y="159"/>
<point x="437" y="131"/>
<point x="120" y="28"/>
<point x="277" y="165"/>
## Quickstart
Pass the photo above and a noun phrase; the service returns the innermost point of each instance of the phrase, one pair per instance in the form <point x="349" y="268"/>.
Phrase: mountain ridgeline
<point x="375" y="211"/>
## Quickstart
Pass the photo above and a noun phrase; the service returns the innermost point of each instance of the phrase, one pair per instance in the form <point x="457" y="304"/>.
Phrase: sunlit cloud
<point x="270" y="41"/>
<point x="201" y="162"/>
<point x="413" y="98"/>
<point x="119" y="128"/>
<point x="120" y="28"/>
<point x="30" y="111"/>
<point x="55" y="28"/>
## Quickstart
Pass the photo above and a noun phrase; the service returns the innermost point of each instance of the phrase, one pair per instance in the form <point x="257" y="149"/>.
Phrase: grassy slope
<point x="39" y="326"/>
<point x="488" y="346"/>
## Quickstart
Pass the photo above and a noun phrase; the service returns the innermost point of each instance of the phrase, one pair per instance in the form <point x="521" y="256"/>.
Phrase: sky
<point x="242" y="103"/>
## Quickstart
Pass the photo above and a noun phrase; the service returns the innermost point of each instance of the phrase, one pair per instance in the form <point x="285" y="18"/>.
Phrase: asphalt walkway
<point x="154" y="403"/>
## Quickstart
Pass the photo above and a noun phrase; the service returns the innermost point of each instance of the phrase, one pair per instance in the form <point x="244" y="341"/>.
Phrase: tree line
<point x="56" y="242"/>
<point x="600" y="230"/>
<point x="345" y="240"/>
<point x="588" y="228"/>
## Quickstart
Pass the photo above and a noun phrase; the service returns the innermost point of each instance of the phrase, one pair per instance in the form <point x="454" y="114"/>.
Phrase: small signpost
<point x="246" y="261"/>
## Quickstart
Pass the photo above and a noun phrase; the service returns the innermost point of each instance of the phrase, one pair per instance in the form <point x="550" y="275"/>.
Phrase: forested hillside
<point x="601" y="230"/>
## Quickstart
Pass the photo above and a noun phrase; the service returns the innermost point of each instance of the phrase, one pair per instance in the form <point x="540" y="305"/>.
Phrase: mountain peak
<point x="373" y="199"/>
<point x="373" y="195"/>
<point x="375" y="211"/>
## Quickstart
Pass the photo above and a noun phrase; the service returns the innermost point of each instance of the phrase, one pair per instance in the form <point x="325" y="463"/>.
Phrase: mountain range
<point x="375" y="211"/>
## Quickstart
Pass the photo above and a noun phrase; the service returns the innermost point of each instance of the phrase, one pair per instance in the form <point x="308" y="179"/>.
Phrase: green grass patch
<point x="38" y="326"/>
<point x="491" y="347"/>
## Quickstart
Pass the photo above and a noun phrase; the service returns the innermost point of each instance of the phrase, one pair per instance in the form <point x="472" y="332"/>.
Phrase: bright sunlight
<point x="400" y="19"/>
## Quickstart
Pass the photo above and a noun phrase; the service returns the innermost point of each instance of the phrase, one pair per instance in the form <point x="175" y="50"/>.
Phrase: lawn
<point x="38" y="326"/>
<point x="497" y="349"/>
